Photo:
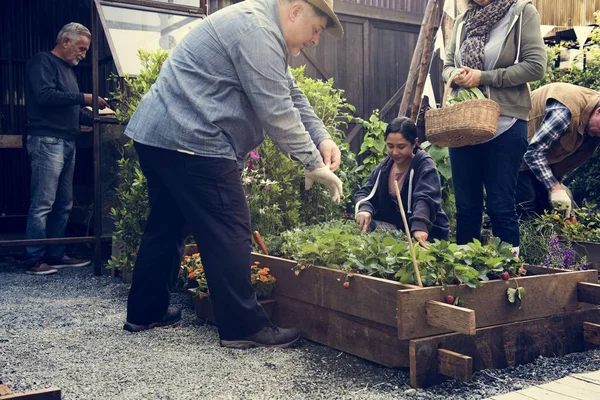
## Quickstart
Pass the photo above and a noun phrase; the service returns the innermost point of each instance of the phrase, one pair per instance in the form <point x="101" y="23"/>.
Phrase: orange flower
<point x="264" y="271"/>
<point x="263" y="278"/>
<point x="191" y="275"/>
<point x="256" y="262"/>
<point x="195" y="255"/>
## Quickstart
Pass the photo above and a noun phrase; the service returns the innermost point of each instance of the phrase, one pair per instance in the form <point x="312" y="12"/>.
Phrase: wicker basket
<point x="462" y="124"/>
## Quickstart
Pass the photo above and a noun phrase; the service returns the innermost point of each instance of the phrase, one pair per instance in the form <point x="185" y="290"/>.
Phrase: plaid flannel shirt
<point x="553" y="126"/>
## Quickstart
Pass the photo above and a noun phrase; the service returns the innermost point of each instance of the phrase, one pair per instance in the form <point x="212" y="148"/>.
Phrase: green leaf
<point x="511" y="292"/>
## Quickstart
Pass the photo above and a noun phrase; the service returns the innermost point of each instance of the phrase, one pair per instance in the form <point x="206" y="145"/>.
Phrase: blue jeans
<point x="494" y="166"/>
<point x="52" y="165"/>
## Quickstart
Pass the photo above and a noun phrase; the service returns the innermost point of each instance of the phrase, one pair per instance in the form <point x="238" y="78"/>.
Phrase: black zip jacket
<point x="53" y="98"/>
<point x="421" y="196"/>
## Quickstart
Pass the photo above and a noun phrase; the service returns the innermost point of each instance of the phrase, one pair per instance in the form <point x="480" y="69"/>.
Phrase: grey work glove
<point x="327" y="178"/>
<point x="561" y="198"/>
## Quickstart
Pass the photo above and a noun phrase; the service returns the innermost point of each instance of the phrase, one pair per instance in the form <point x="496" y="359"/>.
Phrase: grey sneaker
<point x="269" y="336"/>
<point x="40" y="268"/>
<point x="172" y="316"/>
<point x="66" y="262"/>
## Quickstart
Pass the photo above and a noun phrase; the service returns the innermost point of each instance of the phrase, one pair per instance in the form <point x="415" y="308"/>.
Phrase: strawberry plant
<point x="584" y="225"/>
<point x="385" y="254"/>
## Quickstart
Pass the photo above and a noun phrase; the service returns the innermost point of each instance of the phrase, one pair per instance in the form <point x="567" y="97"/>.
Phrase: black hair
<point x="403" y="126"/>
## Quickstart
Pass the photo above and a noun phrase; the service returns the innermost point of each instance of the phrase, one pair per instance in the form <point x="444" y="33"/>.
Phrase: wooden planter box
<point x="590" y="250"/>
<point x="400" y="325"/>
<point x="204" y="308"/>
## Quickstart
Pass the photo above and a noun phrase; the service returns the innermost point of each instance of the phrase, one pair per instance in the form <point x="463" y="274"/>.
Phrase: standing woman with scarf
<point x="497" y="46"/>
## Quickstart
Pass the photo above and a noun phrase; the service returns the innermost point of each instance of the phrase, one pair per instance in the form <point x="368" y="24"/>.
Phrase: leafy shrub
<point x="286" y="204"/>
<point x="131" y="213"/>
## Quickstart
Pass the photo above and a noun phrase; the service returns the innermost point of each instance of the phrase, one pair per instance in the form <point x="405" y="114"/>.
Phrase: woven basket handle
<point x="448" y="87"/>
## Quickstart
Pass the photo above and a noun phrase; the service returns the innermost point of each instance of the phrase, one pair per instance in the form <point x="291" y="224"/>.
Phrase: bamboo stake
<point x="407" y="230"/>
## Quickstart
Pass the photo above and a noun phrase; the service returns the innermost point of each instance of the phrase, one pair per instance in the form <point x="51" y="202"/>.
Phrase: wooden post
<point x="455" y="365"/>
<point x="447" y="316"/>
<point x="591" y="333"/>
<point x="417" y="55"/>
<point x="588" y="292"/>
<point x="423" y="66"/>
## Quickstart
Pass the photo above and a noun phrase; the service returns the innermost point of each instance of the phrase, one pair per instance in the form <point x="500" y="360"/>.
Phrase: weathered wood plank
<point x="11" y="141"/>
<point x="541" y="393"/>
<point x="447" y="316"/>
<point x="510" y="396"/>
<point x="573" y="387"/>
<point x="591" y="377"/>
<point x="537" y="270"/>
<point x="591" y="333"/>
<point x="455" y="365"/>
<point x="367" y="297"/>
<point x="4" y="390"/>
<point x="375" y="342"/>
<point x="52" y="393"/>
<point x="588" y="292"/>
<point x="502" y="345"/>
<point x="589" y="250"/>
<point x="547" y="295"/>
<point x="579" y="384"/>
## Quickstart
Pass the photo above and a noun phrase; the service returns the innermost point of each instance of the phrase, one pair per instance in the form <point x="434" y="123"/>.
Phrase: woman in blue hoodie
<point x="415" y="172"/>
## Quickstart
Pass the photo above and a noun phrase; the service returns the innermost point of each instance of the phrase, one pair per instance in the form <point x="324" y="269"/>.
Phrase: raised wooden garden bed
<point x="400" y="325"/>
<point x="590" y="250"/>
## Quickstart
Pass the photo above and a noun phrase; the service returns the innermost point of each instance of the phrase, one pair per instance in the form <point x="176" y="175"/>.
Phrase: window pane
<point x="131" y="30"/>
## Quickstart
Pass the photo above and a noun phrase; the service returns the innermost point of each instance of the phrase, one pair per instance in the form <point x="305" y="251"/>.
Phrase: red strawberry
<point x="449" y="299"/>
<point x="505" y="276"/>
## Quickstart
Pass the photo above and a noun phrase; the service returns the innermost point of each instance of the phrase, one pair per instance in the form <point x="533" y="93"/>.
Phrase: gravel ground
<point x="66" y="330"/>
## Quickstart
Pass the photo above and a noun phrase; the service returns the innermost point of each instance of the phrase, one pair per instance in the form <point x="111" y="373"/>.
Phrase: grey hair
<point x="72" y="30"/>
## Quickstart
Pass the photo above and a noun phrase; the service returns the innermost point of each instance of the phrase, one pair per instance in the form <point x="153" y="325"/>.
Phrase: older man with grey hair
<point x="53" y="118"/>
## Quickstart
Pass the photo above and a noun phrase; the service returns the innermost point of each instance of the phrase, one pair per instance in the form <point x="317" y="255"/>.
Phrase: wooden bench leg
<point x="53" y="393"/>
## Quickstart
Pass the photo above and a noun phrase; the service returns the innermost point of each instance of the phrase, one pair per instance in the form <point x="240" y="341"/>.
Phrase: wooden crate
<point x="390" y="323"/>
<point x="590" y="250"/>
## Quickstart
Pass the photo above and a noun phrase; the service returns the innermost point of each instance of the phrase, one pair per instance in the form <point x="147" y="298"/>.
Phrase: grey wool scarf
<point x="478" y="28"/>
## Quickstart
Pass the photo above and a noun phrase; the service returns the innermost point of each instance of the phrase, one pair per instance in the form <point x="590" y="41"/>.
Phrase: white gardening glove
<point x="327" y="178"/>
<point x="560" y="197"/>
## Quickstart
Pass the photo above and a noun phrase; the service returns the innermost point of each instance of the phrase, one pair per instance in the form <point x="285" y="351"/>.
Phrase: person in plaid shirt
<point x="563" y="133"/>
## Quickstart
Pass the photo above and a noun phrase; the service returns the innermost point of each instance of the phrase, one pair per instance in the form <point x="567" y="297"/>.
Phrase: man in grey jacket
<point x="224" y="86"/>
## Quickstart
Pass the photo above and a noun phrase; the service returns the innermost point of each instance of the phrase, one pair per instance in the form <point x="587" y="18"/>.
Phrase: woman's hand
<point x="421" y="237"/>
<point x="468" y="77"/>
<point x="363" y="220"/>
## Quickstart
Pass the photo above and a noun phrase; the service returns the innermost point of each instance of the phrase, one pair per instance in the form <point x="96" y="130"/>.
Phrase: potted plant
<point x="192" y="272"/>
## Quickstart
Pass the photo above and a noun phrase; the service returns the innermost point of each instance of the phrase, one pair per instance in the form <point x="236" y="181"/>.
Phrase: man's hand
<point x="559" y="197"/>
<point x="421" y="237"/>
<point x="363" y="220"/>
<point x="88" y="101"/>
<point x="326" y="177"/>
<point x="468" y="77"/>
<point x="331" y="154"/>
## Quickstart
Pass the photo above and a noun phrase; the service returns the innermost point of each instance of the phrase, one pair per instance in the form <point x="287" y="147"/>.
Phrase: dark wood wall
<point x="28" y="27"/>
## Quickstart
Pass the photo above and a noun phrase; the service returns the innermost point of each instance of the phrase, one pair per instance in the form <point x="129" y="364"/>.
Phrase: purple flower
<point x="254" y="155"/>
<point x="250" y="164"/>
